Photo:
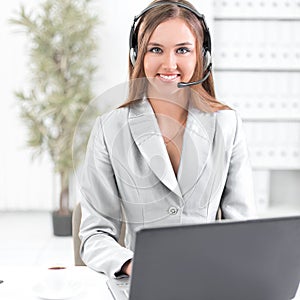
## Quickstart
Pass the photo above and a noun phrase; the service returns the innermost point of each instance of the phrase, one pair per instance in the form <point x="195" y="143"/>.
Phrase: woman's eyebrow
<point x="179" y="44"/>
<point x="155" y="44"/>
<point x="184" y="44"/>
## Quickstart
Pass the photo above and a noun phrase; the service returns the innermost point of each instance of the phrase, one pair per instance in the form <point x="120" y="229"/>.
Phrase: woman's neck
<point x="171" y="109"/>
<point x="174" y="106"/>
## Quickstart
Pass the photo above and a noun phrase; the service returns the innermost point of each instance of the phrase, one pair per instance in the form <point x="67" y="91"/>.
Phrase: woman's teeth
<point x="168" y="77"/>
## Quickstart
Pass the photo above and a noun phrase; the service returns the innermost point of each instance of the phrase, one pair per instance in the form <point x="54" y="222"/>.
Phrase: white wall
<point x="25" y="184"/>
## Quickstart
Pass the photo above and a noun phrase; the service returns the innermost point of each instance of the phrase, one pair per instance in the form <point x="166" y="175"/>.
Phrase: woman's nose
<point x="169" y="61"/>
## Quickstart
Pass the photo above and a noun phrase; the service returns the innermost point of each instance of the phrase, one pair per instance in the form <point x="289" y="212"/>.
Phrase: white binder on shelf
<point x="258" y="9"/>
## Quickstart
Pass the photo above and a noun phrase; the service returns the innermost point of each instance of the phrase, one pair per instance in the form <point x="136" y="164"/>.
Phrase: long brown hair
<point x="202" y="93"/>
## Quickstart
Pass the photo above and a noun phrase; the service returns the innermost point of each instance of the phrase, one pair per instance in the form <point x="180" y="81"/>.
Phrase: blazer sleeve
<point x="101" y="209"/>
<point x="237" y="199"/>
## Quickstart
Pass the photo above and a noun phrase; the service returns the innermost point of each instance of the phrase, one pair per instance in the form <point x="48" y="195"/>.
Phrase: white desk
<point x="19" y="282"/>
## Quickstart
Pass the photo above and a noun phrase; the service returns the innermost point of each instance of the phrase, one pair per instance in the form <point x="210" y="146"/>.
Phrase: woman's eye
<point x="155" y="50"/>
<point x="183" y="50"/>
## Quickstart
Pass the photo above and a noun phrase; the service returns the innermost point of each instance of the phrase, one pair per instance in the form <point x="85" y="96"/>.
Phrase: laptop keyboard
<point x="119" y="287"/>
<point x="124" y="286"/>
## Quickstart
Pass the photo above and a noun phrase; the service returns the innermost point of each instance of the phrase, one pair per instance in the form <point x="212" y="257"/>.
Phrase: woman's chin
<point x="164" y="87"/>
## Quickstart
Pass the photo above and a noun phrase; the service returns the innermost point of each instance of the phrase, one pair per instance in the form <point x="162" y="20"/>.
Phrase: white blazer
<point x="127" y="172"/>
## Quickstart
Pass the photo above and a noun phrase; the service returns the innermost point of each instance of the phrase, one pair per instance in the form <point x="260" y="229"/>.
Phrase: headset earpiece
<point x="206" y="60"/>
<point x="133" y="42"/>
<point x="132" y="55"/>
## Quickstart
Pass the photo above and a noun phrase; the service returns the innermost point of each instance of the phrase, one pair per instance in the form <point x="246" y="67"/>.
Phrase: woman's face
<point x="171" y="56"/>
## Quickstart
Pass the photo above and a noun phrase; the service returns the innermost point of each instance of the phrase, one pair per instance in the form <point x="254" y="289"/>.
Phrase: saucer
<point x="71" y="289"/>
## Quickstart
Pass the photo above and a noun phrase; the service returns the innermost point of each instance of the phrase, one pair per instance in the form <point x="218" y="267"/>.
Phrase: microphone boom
<point x="186" y="84"/>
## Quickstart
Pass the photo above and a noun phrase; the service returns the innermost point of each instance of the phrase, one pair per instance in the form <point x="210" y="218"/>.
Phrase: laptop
<point x="229" y="260"/>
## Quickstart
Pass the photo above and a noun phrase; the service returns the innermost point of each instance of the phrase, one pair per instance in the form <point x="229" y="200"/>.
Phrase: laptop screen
<point x="255" y="259"/>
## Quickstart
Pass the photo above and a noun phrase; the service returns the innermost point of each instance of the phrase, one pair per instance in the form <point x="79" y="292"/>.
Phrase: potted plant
<point x="62" y="42"/>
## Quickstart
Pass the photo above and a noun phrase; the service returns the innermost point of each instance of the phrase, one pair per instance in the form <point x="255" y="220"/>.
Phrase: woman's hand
<point x="127" y="268"/>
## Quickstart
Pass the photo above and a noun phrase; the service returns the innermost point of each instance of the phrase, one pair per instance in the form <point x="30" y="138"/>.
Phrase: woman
<point x="172" y="154"/>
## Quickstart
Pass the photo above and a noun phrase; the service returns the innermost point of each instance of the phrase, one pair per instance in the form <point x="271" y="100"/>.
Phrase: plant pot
<point x="62" y="224"/>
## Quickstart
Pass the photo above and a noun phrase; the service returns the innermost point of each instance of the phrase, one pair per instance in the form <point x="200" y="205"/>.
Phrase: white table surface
<point x="297" y="297"/>
<point x="19" y="283"/>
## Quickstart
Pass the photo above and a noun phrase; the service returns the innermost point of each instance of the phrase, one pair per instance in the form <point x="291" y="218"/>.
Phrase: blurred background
<point x="256" y="60"/>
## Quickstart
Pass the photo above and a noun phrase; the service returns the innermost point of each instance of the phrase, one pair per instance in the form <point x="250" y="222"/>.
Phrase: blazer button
<point x="173" y="210"/>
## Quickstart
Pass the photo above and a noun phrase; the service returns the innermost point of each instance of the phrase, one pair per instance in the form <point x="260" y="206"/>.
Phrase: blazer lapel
<point x="147" y="136"/>
<point x="196" y="149"/>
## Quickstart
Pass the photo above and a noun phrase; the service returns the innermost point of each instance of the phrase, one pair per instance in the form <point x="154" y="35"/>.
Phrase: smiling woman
<point x="172" y="154"/>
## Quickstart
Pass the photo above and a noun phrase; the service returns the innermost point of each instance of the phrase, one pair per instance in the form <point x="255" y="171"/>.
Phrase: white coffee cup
<point x="56" y="278"/>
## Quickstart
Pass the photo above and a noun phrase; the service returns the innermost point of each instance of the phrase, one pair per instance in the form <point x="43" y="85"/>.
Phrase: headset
<point x="206" y="47"/>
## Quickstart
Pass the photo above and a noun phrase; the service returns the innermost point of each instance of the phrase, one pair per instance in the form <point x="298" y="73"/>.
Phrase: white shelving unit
<point x="261" y="95"/>
<point x="256" y="55"/>
<point x="257" y="9"/>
